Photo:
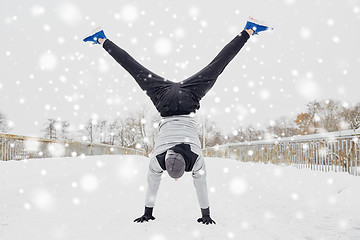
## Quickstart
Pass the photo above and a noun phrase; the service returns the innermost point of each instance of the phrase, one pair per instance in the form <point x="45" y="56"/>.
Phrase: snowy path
<point x="98" y="197"/>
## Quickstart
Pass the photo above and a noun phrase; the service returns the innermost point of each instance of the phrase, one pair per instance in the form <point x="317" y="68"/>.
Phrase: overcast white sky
<point x="48" y="72"/>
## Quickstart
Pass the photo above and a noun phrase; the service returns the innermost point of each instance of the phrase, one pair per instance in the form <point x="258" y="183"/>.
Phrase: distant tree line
<point x="319" y="117"/>
<point x="328" y="116"/>
<point x="139" y="129"/>
<point x="134" y="130"/>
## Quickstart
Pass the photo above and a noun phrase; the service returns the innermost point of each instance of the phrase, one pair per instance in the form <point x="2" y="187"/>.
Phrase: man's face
<point x="176" y="179"/>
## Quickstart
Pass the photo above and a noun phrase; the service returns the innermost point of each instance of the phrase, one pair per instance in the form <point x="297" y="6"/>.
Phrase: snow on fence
<point x="335" y="151"/>
<point x="14" y="147"/>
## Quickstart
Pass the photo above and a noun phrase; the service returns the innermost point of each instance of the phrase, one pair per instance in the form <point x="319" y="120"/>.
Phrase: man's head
<point x="175" y="164"/>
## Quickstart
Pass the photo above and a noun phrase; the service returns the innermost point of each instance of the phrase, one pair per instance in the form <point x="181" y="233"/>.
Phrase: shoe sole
<point x="98" y="29"/>
<point x="260" y="22"/>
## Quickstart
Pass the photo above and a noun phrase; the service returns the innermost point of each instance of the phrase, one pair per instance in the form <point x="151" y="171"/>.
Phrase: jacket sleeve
<point x="199" y="176"/>
<point x="154" y="179"/>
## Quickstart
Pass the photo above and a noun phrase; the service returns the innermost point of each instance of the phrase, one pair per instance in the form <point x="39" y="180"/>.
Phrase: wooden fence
<point x="335" y="151"/>
<point x="14" y="147"/>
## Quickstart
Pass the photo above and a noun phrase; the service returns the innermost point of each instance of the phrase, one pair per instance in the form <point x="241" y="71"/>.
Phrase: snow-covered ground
<point x="98" y="197"/>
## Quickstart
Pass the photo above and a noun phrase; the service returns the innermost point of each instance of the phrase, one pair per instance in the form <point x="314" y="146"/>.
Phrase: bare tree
<point x="120" y="129"/>
<point x="131" y="130"/>
<point x="282" y="127"/>
<point x="4" y="126"/>
<point x="352" y="116"/>
<point x="209" y="134"/>
<point x="153" y="127"/>
<point x="50" y="129"/>
<point x="90" y="130"/>
<point x="215" y="138"/>
<point x="252" y="134"/>
<point x="142" y="127"/>
<point x="313" y="109"/>
<point x="304" y="124"/>
<point x="323" y="115"/>
<point x="138" y="129"/>
<point x="128" y="130"/>
<point x="112" y="131"/>
<point x="143" y="132"/>
<point x="330" y="115"/>
<point x="102" y="126"/>
<point x="246" y="135"/>
<point x="62" y="129"/>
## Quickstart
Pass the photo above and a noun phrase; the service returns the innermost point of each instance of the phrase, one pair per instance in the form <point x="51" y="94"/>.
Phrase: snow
<point x="163" y="46"/>
<point x="36" y="11"/>
<point x="305" y="33"/>
<point x="48" y="61"/>
<point x="308" y="88"/>
<point x="69" y="13"/>
<point x="129" y="13"/>
<point x="98" y="197"/>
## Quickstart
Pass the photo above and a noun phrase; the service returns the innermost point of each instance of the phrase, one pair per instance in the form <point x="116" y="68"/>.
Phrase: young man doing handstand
<point x="177" y="148"/>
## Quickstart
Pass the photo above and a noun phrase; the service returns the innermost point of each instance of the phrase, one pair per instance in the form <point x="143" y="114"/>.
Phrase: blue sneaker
<point x="257" y="26"/>
<point x="94" y="37"/>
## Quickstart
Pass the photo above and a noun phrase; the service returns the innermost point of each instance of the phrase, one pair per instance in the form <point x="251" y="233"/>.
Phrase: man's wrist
<point x="148" y="211"/>
<point x="205" y="211"/>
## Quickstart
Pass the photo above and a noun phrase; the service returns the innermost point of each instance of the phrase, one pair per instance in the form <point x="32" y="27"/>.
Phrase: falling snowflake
<point x="89" y="183"/>
<point x="43" y="200"/>
<point x="163" y="46"/>
<point x="56" y="150"/>
<point x="48" y="61"/>
<point x="69" y="13"/>
<point x="238" y="186"/>
<point x="305" y="33"/>
<point x="37" y="11"/>
<point x="129" y="13"/>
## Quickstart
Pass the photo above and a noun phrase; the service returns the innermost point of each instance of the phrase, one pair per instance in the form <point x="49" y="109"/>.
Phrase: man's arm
<point x="154" y="179"/>
<point x="199" y="176"/>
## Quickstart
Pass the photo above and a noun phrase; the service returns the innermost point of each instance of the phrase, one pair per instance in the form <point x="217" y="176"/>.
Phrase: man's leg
<point x="201" y="82"/>
<point x="150" y="82"/>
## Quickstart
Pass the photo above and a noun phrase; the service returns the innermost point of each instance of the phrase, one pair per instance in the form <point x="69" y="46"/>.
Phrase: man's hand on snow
<point x="146" y="217"/>
<point x="206" y="219"/>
